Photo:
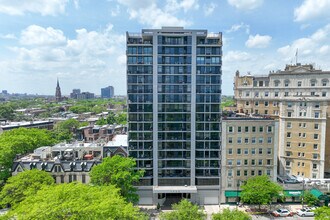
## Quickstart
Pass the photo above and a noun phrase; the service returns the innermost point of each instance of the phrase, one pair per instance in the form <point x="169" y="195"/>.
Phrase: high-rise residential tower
<point x="107" y="92"/>
<point x="174" y="94"/>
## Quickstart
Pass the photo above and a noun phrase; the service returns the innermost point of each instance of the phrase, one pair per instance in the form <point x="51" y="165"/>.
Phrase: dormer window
<point x="57" y="168"/>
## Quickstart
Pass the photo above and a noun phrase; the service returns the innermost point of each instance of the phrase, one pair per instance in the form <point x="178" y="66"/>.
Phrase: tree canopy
<point x="322" y="213"/>
<point x="228" y="214"/>
<point x="260" y="190"/>
<point x="22" y="185"/>
<point x="112" y="118"/>
<point x="310" y="199"/>
<point x="76" y="201"/>
<point x="65" y="130"/>
<point x="20" y="141"/>
<point x="6" y="112"/>
<point x="184" y="210"/>
<point x="118" y="171"/>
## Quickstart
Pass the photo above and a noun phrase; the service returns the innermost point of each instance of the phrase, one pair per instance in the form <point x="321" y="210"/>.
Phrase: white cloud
<point x="309" y="48"/>
<point x="236" y="56"/>
<point x="237" y="27"/>
<point x="185" y="5"/>
<point x="209" y="8"/>
<point x="36" y="35"/>
<point x="311" y="9"/>
<point x="148" y="13"/>
<point x="91" y="55"/>
<point x="8" y="36"/>
<point x="245" y="4"/>
<point x="43" y="7"/>
<point x="258" y="41"/>
<point x="115" y="11"/>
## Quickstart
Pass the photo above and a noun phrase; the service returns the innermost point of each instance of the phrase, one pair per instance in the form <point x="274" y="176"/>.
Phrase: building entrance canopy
<point x="174" y="189"/>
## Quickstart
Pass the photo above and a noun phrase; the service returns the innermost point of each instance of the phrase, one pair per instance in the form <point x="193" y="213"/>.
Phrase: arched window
<point x="325" y="82"/>
<point x="313" y="82"/>
<point x="277" y="83"/>
<point x="287" y="83"/>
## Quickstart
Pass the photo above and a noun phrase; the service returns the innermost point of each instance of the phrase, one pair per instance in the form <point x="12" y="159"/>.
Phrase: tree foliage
<point x="22" y="185"/>
<point x="76" y="201"/>
<point x="310" y="199"/>
<point x="260" y="190"/>
<point x="184" y="210"/>
<point x="6" y="112"/>
<point x="118" y="171"/>
<point x="65" y="130"/>
<point x="20" y="141"/>
<point x="228" y="214"/>
<point x="112" y="118"/>
<point x="322" y="213"/>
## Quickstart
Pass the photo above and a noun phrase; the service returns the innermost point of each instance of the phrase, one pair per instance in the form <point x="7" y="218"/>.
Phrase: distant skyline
<point x="82" y="42"/>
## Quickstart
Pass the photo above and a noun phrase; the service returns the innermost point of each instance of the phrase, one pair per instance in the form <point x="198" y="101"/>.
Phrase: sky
<point x="83" y="42"/>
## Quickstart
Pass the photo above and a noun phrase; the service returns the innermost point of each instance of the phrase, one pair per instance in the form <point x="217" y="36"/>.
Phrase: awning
<point x="315" y="192"/>
<point x="292" y="193"/>
<point x="174" y="189"/>
<point x="232" y="193"/>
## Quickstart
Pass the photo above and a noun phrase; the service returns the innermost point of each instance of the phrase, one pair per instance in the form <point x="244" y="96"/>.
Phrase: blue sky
<point x="83" y="41"/>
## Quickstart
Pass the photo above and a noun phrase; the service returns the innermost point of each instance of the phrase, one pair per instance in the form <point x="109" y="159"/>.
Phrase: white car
<point x="305" y="212"/>
<point x="282" y="213"/>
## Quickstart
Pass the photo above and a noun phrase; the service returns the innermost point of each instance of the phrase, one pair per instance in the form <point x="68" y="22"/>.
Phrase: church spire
<point x="58" y="95"/>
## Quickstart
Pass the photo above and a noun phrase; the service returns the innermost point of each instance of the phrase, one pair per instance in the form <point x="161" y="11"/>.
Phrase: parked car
<point x="282" y="213"/>
<point x="305" y="212"/>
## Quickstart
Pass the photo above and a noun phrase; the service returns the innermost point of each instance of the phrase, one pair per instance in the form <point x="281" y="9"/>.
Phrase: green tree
<point x="65" y="130"/>
<point x="310" y="199"/>
<point x="118" y="171"/>
<point x="20" y="141"/>
<point x="228" y="214"/>
<point x="76" y="201"/>
<point x="260" y="190"/>
<point x="22" y="185"/>
<point x="184" y="210"/>
<point x="6" y="112"/>
<point x="322" y="213"/>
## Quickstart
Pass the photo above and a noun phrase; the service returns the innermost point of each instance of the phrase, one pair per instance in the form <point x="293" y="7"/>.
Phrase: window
<point x="316" y="126"/>
<point x="246" y="129"/>
<point x="286" y="94"/>
<point x="230" y="151"/>
<point x="239" y="140"/>
<point x="314" y="166"/>
<point x="260" y="151"/>
<point x="252" y="173"/>
<point x="83" y="178"/>
<point x="246" y="162"/>
<point x="316" y="114"/>
<point x="238" y="162"/>
<point x="246" y="140"/>
<point x="289" y="104"/>
<point x="247" y="94"/>
<point x="288" y="144"/>
<point x="269" y="151"/>
<point x="317" y="105"/>
<point x="315" y="156"/>
<point x="246" y="151"/>
<point x="230" y="140"/>
<point x="276" y="94"/>
<point x="299" y="83"/>
<point x="253" y="140"/>
<point x="324" y="82"/>
<point x="312" y="93"/>
<point x="266" y="93"/>
<point x="245" y="172"/>
<point x="268" y="172"/>
<point x="315" y="146"/>
<point x="238" y="172"/>
<point x="316" y="136"/>
<point x="266" y="103"/>
<point x="253" y="151"/>
<point x="230" y="162"/>
<point x="261" y="140"/>
<point x="230" y="129"/>
<point x="253" y="162"/>
<point x="286" y="83"/>
<point x="289" y="125"/>
<point x="259" y="172"/>
<point x="324" y="94"/>
<point x="269" y="129"/>
<point x="260" y="162"/>
<point x="230" y="172"/>
<point x="239" y="129"/>
<point x="288" y="134"/>
<point x="276" y="83"/>
<point x="239" y="151"/>
<point x="269" y="140"/>
<point x="289" y="114"/>
<point x="275" y="104"/>
<point x="253" y="128"/>
<point x="256" y="94"/>
<point x="287" y="163"/>
<point x="313" y="82"/>
<point x="269" y="162"/>
<point x="261" y="129"/>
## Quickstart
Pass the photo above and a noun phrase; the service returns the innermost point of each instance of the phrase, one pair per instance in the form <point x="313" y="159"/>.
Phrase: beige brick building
<point x="249" y="148"/>
<point x="299" y="97"/>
